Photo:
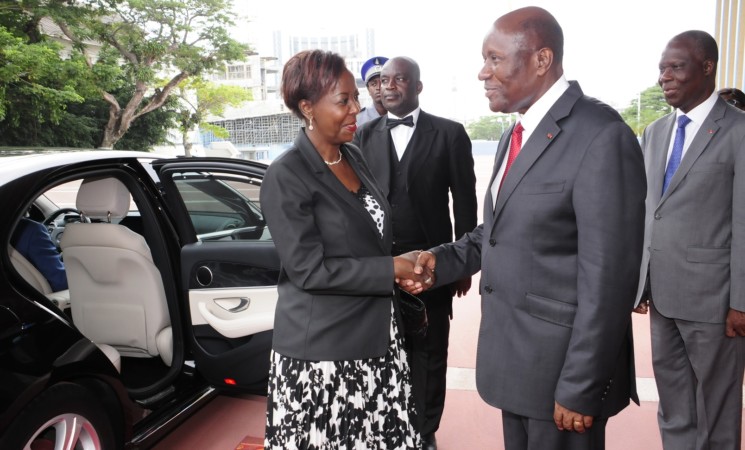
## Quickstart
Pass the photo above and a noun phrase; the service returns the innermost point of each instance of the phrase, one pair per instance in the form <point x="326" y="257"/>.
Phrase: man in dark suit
<point x="693" y="268"/>
<point x="559" y="248"/>
<point x="418" y="164"/>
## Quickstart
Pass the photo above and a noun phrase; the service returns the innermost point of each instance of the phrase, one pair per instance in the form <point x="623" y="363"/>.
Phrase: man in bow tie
<point x="419" y="160"/>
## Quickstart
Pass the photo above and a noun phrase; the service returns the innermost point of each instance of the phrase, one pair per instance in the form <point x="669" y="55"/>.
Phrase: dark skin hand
<point x="461" y="287"/>
<point x="568" y="420"/>
<point x="406" y="277"/>
<point x="425" y="276"/>
<point x="735" y="325"/>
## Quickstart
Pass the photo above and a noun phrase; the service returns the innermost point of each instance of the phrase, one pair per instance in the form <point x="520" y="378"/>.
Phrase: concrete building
<point x="263" y="128"/>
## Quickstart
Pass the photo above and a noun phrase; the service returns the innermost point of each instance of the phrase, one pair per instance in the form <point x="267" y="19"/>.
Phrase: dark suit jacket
<point x="695" y="233"/>
<point x="336" y="281"/>
<point x="441" y="163"/>
<point x="31" y="239"/>
<point x="559" y="259"/>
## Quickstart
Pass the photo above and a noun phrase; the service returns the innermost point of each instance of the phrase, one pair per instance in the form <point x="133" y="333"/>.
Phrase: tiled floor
<point x="468" y="423"/>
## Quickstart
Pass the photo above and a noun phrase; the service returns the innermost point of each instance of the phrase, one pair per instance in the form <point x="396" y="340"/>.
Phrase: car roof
<point x="16" y="163"/>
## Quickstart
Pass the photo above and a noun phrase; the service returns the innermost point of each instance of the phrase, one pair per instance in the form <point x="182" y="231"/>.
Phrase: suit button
<point x="492" y="242"/>
<point x="488" y="289"/>
<point x="658" y="216"/>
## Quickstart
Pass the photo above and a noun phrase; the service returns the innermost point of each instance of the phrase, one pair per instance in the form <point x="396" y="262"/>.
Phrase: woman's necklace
<point x="333" y="163"/>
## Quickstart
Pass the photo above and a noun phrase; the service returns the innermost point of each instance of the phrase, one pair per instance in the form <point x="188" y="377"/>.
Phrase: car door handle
<point x="229" y="304"/>
<point x="238" y="326"/>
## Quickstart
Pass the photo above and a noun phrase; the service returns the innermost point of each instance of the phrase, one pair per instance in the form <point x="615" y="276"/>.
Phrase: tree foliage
<point x="152" y="39"/>
<point x="645" y="109"/>
<point x="489" y="127"/>
<point x="48" y="93"/>
<point x="34" y="81"/>
<point x="211" y="99"/>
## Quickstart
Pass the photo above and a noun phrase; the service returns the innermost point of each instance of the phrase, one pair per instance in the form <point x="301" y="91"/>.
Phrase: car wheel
<point x="65" y="416"/>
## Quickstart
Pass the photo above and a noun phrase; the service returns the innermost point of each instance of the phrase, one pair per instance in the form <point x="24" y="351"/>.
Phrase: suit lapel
<point x="335" y="187"/>
<point x="378" y="155"/>
<point x="658" y="158"/>
<point x="504" y="143"/>
<point x="545" y="133"/>
<point x="700" y="142"/>
<point x="368" y="180"/>
<point x="420" y="146"/>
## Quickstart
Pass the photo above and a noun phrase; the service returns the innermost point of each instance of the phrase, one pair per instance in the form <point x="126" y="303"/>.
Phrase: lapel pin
<point x="550" y="136"/>
<point x="711" y="131"/>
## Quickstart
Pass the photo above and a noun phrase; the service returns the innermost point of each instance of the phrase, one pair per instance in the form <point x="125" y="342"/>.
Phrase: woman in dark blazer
<point x="339" y="376"/>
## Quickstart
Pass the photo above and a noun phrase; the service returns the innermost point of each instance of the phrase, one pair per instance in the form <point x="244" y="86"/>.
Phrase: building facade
<point x="730" y="35"/>
<point x="265" y="127"/>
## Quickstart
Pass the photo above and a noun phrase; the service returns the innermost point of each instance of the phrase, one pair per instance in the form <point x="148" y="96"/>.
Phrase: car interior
<point x="122" y="293"/>
<point x="116" y="295"/>
<point x="119" y="299"/>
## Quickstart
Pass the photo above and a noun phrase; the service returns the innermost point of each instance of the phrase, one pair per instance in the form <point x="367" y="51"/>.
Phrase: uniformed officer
<point x="371" y="76"/>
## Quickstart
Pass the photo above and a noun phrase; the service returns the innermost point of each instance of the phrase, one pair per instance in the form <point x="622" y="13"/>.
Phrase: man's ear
<point x="544" y="60"/>
<point x="709" y="68"/>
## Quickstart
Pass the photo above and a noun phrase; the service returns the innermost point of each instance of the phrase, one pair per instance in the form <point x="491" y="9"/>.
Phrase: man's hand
<point x="461" y="287"/>
<point x="568" y="420"/>
<point x="425" y="262"/>
<point x="643" y="307"/>
<point x="406" y="275"/>
<point x="735" y="325"/>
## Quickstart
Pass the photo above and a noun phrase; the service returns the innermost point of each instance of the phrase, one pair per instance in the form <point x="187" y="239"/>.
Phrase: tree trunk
<point x="187" y="143"/>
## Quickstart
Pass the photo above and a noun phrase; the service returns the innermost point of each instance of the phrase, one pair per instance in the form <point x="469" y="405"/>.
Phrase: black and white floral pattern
<point x="360" y="405"/>
<point x="372" y="206"/>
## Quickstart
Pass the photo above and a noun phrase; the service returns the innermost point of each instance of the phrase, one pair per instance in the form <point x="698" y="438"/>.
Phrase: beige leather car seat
<point x="33" y="277"/>
<point x="116" y="291"/>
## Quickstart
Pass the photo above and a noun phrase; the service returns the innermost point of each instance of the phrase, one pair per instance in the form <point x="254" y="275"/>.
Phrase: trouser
<point x="699" y="375"/>
<point x="525" y="433"/>
<point x="428" y="358"/>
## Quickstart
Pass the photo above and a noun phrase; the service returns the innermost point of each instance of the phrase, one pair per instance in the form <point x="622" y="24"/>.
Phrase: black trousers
<point x="428" y="359"/>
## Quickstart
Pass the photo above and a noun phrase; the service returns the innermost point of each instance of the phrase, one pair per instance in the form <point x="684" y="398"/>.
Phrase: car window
<point x="222" y="206"/>
<point x="65" y="194"/>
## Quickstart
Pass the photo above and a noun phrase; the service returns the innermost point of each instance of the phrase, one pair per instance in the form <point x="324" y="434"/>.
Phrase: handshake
<point x="415" y="271"/>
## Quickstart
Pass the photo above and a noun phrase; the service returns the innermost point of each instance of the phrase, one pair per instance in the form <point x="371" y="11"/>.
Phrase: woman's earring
<point x="310" y="123"/>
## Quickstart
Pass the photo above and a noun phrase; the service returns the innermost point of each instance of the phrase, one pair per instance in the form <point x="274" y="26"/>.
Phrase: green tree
<point x="489" y="127"/>
<point x="649" y="106"/>
<point x="149" y="39"/>
<point x="211" y="99"/>
<point x="35" y="83"/>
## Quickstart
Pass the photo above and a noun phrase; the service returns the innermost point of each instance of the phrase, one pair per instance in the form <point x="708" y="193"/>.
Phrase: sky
<point x="612" y="48"/>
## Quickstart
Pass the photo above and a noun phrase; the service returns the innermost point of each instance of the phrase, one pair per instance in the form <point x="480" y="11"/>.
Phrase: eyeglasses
<point x="734" y="102"/>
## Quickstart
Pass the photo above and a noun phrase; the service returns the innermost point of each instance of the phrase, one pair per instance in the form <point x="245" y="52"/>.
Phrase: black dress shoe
<point x="429" y="442"/>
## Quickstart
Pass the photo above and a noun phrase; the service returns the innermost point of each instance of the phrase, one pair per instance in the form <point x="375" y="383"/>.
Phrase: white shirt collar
<point x="540" y="108"/>
<point x="699" y="113"/>
<point x="414" y="114"/>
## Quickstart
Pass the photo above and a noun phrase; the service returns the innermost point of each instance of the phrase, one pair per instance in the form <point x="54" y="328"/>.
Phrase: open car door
<point x="229" y="267"/>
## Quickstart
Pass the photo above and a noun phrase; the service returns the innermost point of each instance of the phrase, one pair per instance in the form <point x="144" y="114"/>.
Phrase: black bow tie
<point x="408" y="121"/>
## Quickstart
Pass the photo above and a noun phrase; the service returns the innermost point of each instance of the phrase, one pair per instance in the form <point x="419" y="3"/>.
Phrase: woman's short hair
<point x="309" y="75"/>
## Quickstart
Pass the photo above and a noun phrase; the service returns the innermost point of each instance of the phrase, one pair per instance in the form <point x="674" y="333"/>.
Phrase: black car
<point x="172" y="279"/>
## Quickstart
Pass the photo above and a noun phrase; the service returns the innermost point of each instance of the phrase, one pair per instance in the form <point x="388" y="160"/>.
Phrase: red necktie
<point x="516" y="142"/>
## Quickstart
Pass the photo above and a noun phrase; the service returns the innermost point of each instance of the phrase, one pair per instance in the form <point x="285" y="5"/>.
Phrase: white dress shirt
<point x="401" y="134"/>
<point x="530" y="121"/>
<point x="697" y="116"/>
